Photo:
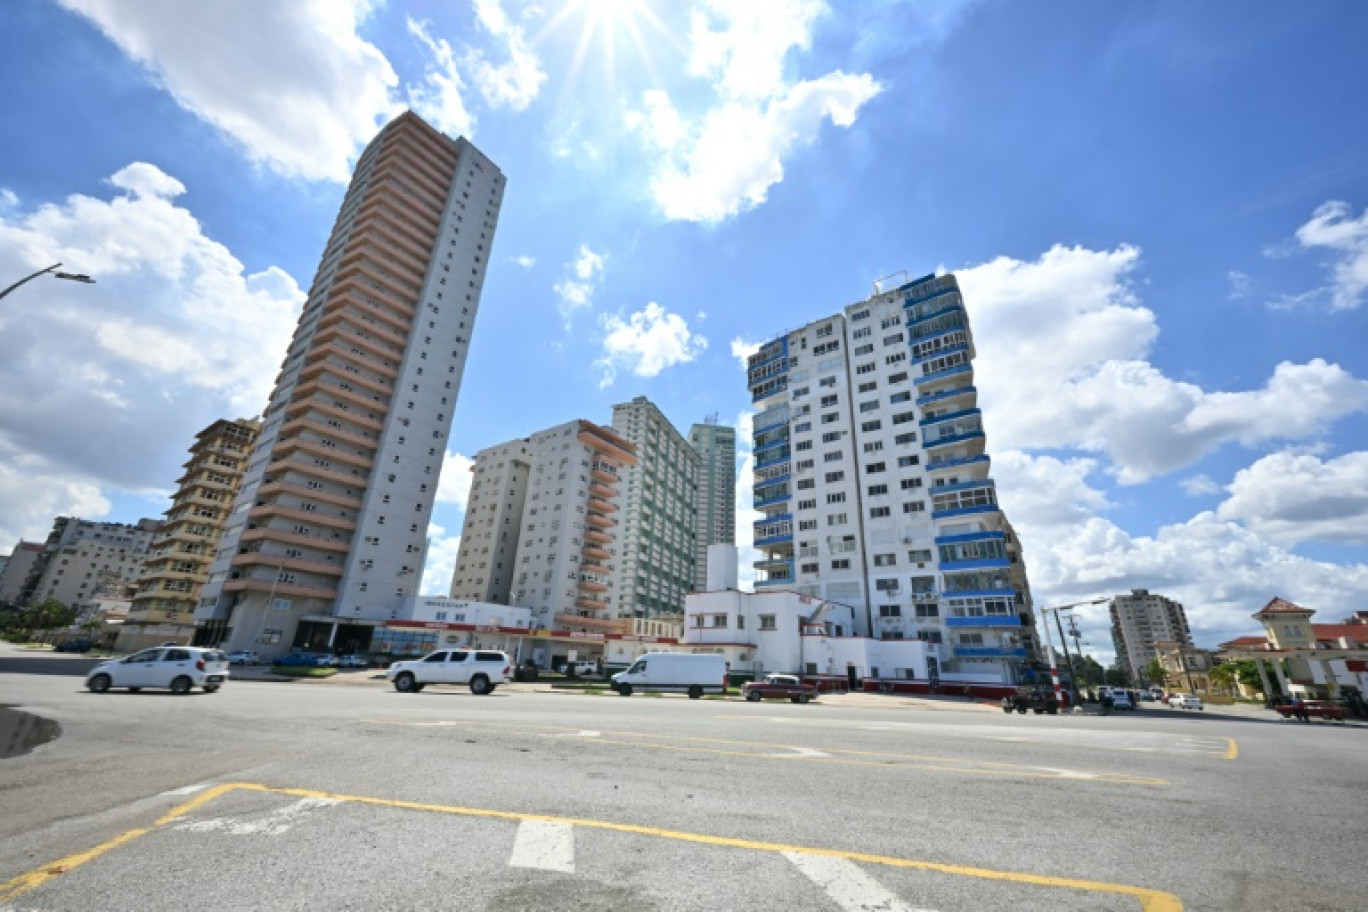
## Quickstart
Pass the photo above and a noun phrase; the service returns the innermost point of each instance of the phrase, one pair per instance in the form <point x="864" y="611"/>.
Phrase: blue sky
<point x="1157" y="211"/>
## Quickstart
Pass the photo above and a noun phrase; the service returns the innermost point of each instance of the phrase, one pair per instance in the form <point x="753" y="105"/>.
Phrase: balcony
<point x="600" y="521"/>
<point x="927" y="379"/>
<point x="602" y="472"/>
<point x="956" y="462"/>
<point x="991" y="652"/>
<point x="778" y="573"/>
<point x="778" y="455"/>
<point x="590" y="602"/>
<point x="601" y="490"/>
<point x="589" y="584"/>
<point x="997" y="620"/>
<point x="594" y="535"/>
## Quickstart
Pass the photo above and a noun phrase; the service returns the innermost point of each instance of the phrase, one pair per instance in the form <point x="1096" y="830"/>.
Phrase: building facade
<point x="328" y="536"/>
<point x="17" y="568"/>
<point x="715" y="519"/>
<point x="1298" y="657"/>
<point x="542" y="529"/>
<point x="82" y="560"/>
<point x="656" y="567"/>
<point x="163" y="607"/>
<point x="493" y="523"/>
<point x="1140" y="621"/>
<point x="874" y="482"/>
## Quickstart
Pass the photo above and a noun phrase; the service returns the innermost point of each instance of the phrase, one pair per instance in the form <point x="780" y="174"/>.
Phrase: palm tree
<point x="1155" y="673"/>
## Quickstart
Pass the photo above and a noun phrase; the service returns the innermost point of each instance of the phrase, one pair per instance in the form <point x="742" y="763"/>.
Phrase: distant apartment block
<point x="874" y="482"/>
<point x="715" y="518"/>
<point x="83" y="559"/>
<point x="17" y="568"/>
<point x="1139" y="622"/>
<point x="328" y="537"/>
<point x="657" y="566"/>
<point x="163" y="606"/>
<point x="542" y="528"/>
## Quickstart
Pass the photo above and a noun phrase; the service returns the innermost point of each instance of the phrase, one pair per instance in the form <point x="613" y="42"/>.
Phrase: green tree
<point x="1155" y="673"/>
<point x="1090" y="671"/>
<point x="1243" y="670"/>
<point x="1116" y="676"/>
<point x="47" y="614"/>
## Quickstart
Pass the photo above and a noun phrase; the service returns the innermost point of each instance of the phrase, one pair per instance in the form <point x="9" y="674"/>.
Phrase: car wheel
<point x="802" y="698"/>
<point x="695" y="692"/>
<point x="210" y="688"/>
<point x="625" y="690"/>
<point x="752" y="696"/>
<point x="404" y="683"/>
<point x="479" y="685"/>
<point x="181" y="685"/>
<point x="99" y="684"/>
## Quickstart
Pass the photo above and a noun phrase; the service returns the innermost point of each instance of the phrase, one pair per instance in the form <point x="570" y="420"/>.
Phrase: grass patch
<point x="595" y="690"/>
<point x="304" y="671"/>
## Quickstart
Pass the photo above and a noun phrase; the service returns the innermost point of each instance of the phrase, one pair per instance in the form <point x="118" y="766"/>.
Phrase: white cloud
<point x="646" y="343"/>
<point x="439" y="561"/>
<point x="437" y="97"/>
<point x="1295" y="497"/>
<point x="1221" y="571"/>
<point x="576" y="291"/>
<point x="292" y="83"/>
<point x="454" y="485"/>
<point x="526" y="262"/>
<point x="103" y="387"/>
<point x="746" y="514"/>
<point x="1199" y="486"/>
<point x="742" y="350"/>
<point x="516" y="82"/>
<point x="1062" y="344"/>
<point x="1333" y="226"/>
<point x="724" y="161"/>
<point x="1239" y="285"/>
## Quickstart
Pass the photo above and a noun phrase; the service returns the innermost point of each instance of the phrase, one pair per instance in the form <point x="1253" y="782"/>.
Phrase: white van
<point x="676" y="672"/>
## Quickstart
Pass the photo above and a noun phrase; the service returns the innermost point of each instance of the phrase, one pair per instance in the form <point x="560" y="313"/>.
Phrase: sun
<point x="603" y="24"/>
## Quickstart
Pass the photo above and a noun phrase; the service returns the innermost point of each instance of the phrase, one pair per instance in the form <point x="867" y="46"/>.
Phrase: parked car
<point x="778" y="687"/>
<point x="353" y="661"/>
<point x="527" y="671"/>
<point x="179" y="668"/>
<point x="73" y="646"/>
<point x="481" y="670"/>
<point x="243" y="657"/>
<point x="1184" y="701"/>
<point x="1122" y="700"/>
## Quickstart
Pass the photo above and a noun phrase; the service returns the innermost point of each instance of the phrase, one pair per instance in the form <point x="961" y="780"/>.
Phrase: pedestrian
<point x="1299" y="709"/>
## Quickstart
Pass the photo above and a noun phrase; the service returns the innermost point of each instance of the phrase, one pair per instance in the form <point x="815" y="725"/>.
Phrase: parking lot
<point x="286" y="795"/>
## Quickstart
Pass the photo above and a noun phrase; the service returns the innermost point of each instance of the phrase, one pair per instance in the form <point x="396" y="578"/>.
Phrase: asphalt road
<point x="347" y="795"/>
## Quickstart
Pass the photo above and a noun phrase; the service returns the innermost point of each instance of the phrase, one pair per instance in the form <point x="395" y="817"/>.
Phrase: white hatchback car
<point x="1185" y="701"/>
<point x="178" y="668"/>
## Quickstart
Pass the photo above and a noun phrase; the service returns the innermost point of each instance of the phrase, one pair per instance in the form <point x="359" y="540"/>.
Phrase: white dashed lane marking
<point x="272" y="824"/>
<point x="849" y="886"/>
<point x="545" y="845"/>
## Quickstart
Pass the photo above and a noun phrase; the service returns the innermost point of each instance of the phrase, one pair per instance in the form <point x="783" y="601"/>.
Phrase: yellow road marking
<point x="1150" y="900"/>
<point x="849" y="757"/>
<point x="1232" y="751"/>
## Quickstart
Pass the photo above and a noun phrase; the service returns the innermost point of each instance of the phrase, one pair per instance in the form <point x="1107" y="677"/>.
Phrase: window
<point x="802" y="427"/>
<point x="842" y="564"/>
<point x="876" y="490"/>
<point x="869" y="406"/>
<point x="915" y="506"/>
<point x="928" y="611"/>
<point x="919" y="555"/>
<point x="832" y="436"/>
<point x="875" y="468"/>
<point x="833" y="477"/>
<point x="767" y="622"/>
<point x="802" y="445"/>
<point x="864" y="349"/>
<point x="893" y="339"/>
<point x="873" y="446"/>
<point x="885" y="560"/>
<point x="831" y="417"/>
<point x="837" y="519"/>
<point x="838" y="497"/>
<point x="910" y="483"/>
<point x="866" y="368"/>
<point x="807" y="504"/>
<point x="897" y="378"/>
<point x="904" y="417"/>
<point x="890" y="611"/>
<point x="828" y="401"/>
<point x="869" y="387"/>
<point x="806" y="483"/>
<point x="894" y="359"/>
<point x="807" y="525"/>
<point x="869" y="427"/>
<point x="810" y="568"/>
<point x="899" y="397"/>
<point x="879" y="512"/>
<point x="903" y="439"/>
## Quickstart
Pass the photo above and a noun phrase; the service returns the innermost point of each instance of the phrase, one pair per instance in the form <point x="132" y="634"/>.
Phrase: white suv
<point x="179" y="668"/>
<point x="482" y="670"/>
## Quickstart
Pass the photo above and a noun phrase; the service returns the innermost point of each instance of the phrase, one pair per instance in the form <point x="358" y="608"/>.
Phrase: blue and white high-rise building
<point x="874" y="482"/>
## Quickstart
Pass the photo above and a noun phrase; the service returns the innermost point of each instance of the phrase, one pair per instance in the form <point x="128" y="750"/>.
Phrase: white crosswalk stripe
<point x="847" y="884"/>
<point x="544" y="845"/>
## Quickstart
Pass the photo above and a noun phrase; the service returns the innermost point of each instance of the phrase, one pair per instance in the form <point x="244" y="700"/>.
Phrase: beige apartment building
<point x="163" y="607"/>
<point x="327" y="539"/>
<point x="542" y="529"/>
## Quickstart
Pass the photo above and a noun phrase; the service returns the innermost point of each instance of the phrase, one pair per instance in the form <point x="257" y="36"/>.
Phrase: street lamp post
<point x="1049" y="644"/>
<point x="69" y="276"/>
<point x="1068" y="659"/>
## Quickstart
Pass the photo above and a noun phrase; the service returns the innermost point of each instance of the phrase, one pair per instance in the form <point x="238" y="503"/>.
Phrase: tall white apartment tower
<point x="873" y="478"/>
<point x="657" y="566"/>
<point x="329" y="533"/>
<point x="1139" y="621"/>
<point x="715" y="522"/>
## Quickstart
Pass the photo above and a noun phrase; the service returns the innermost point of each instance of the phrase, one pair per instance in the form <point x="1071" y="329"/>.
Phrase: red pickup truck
<point x="1316" y="709"/>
